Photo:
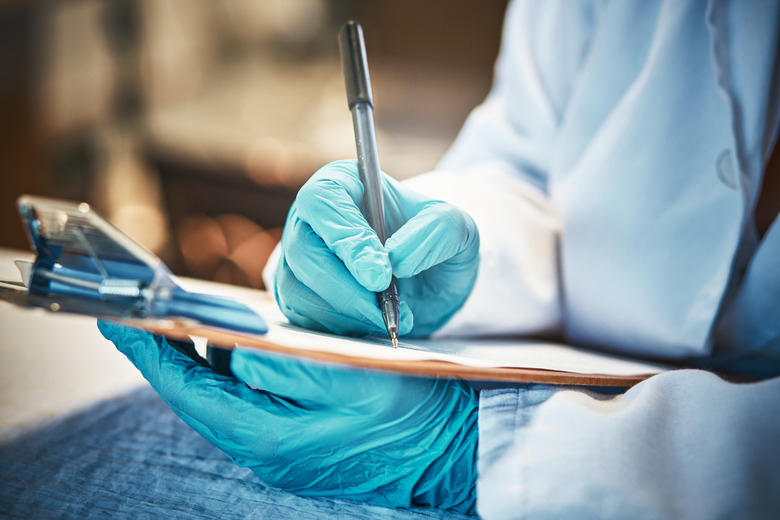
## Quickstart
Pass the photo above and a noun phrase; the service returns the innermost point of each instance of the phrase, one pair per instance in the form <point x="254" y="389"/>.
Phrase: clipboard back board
<point x="186" y="330"/>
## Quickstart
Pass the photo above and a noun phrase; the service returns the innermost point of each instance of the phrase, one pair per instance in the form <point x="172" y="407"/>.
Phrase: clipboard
<point x="479" y="359"/>
<point x="85" y="265"/>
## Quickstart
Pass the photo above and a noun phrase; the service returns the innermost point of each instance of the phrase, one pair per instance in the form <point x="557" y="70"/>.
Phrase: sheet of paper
<point x="473" y="352"/>
<point x="479" y="352"/>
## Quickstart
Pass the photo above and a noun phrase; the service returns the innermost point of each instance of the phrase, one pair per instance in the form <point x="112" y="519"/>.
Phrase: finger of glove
<point x="330" y="203"/>
<point x="222" y="409"/>
<point x="305" y="308"/>
<point x="166" y="369"/>
<point x="138" y="345"/>
<point x="439" y="233"/>
<point x="331" y="295"/>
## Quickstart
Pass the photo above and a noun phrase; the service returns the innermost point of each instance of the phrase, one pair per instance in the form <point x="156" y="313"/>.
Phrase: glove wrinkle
<point x="328" y="247"/>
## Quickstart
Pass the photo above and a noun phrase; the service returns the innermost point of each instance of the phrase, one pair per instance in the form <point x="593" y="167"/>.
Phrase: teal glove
<point x="382" y="438"/>
<point x="332" y="262"/>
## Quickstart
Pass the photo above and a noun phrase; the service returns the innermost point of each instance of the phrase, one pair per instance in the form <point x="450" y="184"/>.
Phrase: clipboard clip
<point x="47" y="276"/>
<point x="85" y="265"/>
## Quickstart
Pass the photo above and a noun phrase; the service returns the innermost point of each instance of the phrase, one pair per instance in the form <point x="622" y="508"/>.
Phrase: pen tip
<point x="394" y="339"/>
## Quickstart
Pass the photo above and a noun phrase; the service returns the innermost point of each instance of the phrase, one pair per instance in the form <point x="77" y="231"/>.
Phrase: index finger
<point x="330" y="202"/>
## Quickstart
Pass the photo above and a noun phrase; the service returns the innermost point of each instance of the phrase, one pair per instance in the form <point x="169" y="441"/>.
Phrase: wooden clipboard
<point x="185" y="330"/>
<point x="432" y="367"/>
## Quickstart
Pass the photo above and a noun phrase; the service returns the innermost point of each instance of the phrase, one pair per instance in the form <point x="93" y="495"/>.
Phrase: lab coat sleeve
<point x="684" y="445"/>
<point x="517" y="288"/>
<point x="497" y="172"/>
<point x="651" y="179"/>
<point x="518" y="123"/>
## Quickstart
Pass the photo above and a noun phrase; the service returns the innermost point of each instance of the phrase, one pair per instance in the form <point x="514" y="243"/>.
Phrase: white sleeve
<point x="518" y="124"/>
<point x="497" y="171"/>
<point x="517" y="290"/>
<point x="683" y="445"/>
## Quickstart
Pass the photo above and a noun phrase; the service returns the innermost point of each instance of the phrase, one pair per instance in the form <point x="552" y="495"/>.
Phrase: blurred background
<point x="191" y="124"/>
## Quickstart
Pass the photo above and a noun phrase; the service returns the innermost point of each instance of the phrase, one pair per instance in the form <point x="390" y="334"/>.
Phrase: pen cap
<point x="353" y="59"/>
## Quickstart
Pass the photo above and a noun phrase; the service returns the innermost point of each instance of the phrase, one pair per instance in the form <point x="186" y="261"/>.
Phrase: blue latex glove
<point x="319" y="430"/>
<point x="332" y="262"/>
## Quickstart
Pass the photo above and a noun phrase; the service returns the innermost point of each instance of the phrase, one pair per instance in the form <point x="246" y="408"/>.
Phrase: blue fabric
<point x="131" y="457"/>
<point x="504" y="414"/>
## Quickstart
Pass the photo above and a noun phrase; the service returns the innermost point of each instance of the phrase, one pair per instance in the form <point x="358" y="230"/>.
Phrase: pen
<point x="361" y="104"/>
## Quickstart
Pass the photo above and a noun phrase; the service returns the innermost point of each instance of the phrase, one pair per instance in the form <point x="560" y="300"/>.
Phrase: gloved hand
<point x="332" y="262"/>
<point x="320" y="430"/>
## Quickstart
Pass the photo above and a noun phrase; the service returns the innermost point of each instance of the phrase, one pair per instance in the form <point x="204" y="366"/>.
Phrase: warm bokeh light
<point x="191" y="124"/>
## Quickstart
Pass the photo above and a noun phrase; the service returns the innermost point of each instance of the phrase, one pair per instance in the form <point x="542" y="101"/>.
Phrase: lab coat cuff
<point x="517" y="288"/>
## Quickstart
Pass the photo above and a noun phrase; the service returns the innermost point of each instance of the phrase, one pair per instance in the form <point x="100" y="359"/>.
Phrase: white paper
<point x="479" y="352"/>
<point x="471" y="352"/>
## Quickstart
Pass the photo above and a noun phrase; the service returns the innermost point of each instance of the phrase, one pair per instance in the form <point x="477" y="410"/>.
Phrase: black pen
<point x="361" y="104"/>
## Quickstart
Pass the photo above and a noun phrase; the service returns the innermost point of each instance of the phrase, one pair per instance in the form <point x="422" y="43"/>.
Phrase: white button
<point x="726" y="170"/>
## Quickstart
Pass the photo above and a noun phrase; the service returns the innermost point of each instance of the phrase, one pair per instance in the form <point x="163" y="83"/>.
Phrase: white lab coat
<point x="612" y="172"/>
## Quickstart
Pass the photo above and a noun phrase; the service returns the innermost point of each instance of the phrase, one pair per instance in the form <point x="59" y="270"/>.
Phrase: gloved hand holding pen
<point x="387" y="439"/>
<point x="314" y="430"/>
<point x="332" y="263"/>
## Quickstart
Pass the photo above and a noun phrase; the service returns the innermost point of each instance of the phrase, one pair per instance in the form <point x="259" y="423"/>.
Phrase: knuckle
<point x="334" y="177"/>
<point x="457" y="218"/>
